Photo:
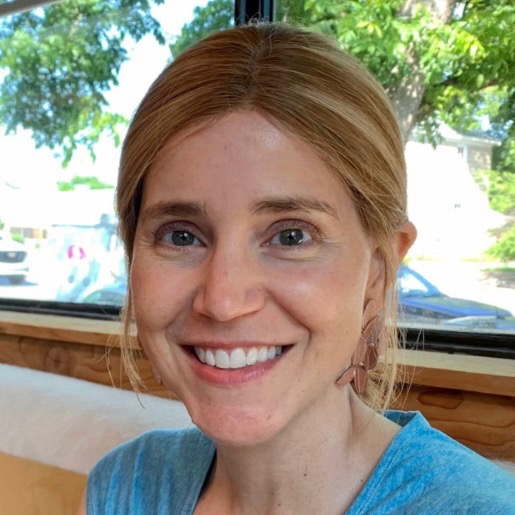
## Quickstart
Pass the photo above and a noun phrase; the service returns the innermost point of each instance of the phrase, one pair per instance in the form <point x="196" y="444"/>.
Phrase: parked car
<point x="421" y="300"/>
<point x="112" y="294"/>
<point x="13" y="260"/>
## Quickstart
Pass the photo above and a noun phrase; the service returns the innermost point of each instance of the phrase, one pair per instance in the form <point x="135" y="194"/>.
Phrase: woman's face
<point x="249" y="277"/>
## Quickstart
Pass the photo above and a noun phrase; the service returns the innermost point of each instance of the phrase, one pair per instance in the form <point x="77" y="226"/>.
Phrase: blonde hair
<point x="304" y="84"/>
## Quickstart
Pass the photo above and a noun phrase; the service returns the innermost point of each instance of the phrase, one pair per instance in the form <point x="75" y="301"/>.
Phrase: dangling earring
<point x="366" y="354"/>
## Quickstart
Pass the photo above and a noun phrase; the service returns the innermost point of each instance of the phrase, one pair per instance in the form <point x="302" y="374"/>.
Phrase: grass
<point x="504" y="275"/>
<point x="501" y="269"/>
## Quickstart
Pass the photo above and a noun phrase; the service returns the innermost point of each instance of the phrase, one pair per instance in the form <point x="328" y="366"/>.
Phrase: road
<point x="41" y="282"/>
<point x="467" y="280"/>
<point x="27" y="290"/>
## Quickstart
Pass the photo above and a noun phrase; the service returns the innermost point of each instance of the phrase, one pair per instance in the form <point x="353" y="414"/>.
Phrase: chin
<point x="236" y="427"/>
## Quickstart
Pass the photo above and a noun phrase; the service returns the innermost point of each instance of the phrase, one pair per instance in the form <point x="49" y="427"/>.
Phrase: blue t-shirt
<point x="421" y="472"/>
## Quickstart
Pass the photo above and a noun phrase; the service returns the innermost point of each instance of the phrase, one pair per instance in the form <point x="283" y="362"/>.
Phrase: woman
<point x="262" y="204"/>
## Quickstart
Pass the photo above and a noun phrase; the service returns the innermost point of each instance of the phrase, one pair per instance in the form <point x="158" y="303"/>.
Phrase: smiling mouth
<point x="238" y="357"/>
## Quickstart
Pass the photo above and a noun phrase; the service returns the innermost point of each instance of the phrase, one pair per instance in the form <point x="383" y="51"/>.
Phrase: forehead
<point x="240" y="157"/>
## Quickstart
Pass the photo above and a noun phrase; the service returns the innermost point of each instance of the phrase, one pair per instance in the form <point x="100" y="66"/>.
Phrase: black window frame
<point x="245" y="10"/>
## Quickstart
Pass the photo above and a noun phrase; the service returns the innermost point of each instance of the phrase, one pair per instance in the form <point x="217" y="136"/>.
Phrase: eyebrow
<point x="275" y="205"/>
<point x="288" y="204"/>
<point x="163" y="209"/>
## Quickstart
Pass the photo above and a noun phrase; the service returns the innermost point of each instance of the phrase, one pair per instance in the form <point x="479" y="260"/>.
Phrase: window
<point x="88" y="63"/>
<point x="458" y="281"/>
<point x="58" y="225"/>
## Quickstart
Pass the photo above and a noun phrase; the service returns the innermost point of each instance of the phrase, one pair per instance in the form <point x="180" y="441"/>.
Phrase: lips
<point x="238" y="357"/>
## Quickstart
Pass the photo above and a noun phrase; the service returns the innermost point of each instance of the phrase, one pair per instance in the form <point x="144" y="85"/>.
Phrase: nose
<point x="230" y="285"/>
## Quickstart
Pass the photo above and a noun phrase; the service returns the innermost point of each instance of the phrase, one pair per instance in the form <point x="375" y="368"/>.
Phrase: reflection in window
<point x="449" y="73"/>
<point x="71" y="75"/>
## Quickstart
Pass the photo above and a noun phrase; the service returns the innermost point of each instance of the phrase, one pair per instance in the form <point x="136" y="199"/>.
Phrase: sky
<point x="37" y="170"/>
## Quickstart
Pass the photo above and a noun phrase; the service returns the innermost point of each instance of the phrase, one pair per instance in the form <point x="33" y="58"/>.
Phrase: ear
<point x="401" y="243"/>
<point x="376" y="278"/>
<point x="404" y="239"/>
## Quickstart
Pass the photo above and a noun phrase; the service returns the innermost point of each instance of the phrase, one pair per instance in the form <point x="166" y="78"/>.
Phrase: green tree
<point x="451" y="61"/>
<point x="504" y="248"/>
<point x="216" y="15"/>
<point x="93" y="183"/>
<point x="500" y="187"/>
<point x="59" y="63"/>
<point x="439" y="61"/>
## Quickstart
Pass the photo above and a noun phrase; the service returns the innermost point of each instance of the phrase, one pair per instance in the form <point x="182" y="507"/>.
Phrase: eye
<point x="291" y="237"/>
<point x="180" y="238"/>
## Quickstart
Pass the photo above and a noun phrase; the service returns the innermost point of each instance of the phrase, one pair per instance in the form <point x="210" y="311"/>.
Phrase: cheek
<point x="326" y="299"/>
<point x="157" y="295"/>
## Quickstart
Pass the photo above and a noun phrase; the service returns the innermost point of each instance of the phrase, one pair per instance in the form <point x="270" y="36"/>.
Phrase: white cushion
<point x="72" y="423"/>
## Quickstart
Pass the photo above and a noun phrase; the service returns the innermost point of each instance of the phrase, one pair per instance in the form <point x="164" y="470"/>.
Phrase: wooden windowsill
<point x="444" y="370"/>
<point x="61" y="328"/>
<point x="459" y="371"/>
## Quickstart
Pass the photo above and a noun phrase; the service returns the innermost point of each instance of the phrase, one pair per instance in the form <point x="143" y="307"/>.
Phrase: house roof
<point x="451" y="136"/>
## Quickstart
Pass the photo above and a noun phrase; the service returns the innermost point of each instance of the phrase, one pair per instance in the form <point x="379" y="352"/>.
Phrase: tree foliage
<point x="216" y="15"/>
<point x="60" y="62"/>
<point x="93" y="183"/>
<point x="459" y="54"/>
<point x="504" y="248"/>
<point x="450" y="61"/>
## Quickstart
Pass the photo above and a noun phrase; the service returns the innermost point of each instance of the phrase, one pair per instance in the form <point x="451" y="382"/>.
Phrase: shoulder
<point x="425" y="471"/>
<point x="159" y="464"/>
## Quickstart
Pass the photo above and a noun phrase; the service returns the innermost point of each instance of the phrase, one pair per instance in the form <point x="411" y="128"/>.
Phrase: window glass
<point x="57" y="223"/>
<point x="71" y="75"/>
<point x="448" y="69"/>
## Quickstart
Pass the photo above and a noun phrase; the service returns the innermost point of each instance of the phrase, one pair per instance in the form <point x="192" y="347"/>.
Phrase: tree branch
<point x="441" y="10"/>
<point x="453" y="81"/>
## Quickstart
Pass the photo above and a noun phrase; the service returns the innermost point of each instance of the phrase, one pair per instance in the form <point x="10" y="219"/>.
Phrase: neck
<point x="318" y="464"/>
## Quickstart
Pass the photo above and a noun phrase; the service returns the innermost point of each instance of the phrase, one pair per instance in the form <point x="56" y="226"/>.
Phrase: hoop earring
<point x="366" y="354"/>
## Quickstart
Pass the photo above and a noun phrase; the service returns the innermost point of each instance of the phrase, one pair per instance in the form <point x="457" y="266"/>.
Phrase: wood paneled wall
<point x="483" y="422"/>
<point x="93" y="363"/>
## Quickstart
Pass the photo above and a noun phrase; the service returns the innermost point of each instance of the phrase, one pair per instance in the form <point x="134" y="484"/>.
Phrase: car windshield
<point x="411" y="284"/>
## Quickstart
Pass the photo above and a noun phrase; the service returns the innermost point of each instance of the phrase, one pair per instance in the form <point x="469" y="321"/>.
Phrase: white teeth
<point x="237" y="358"/>
<point x="222" y="359"/>
<point x="262" y="354"/>
<point x="210" y="358"/>
<point x="201" y="354"/>
<point x="252" y="356"/>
